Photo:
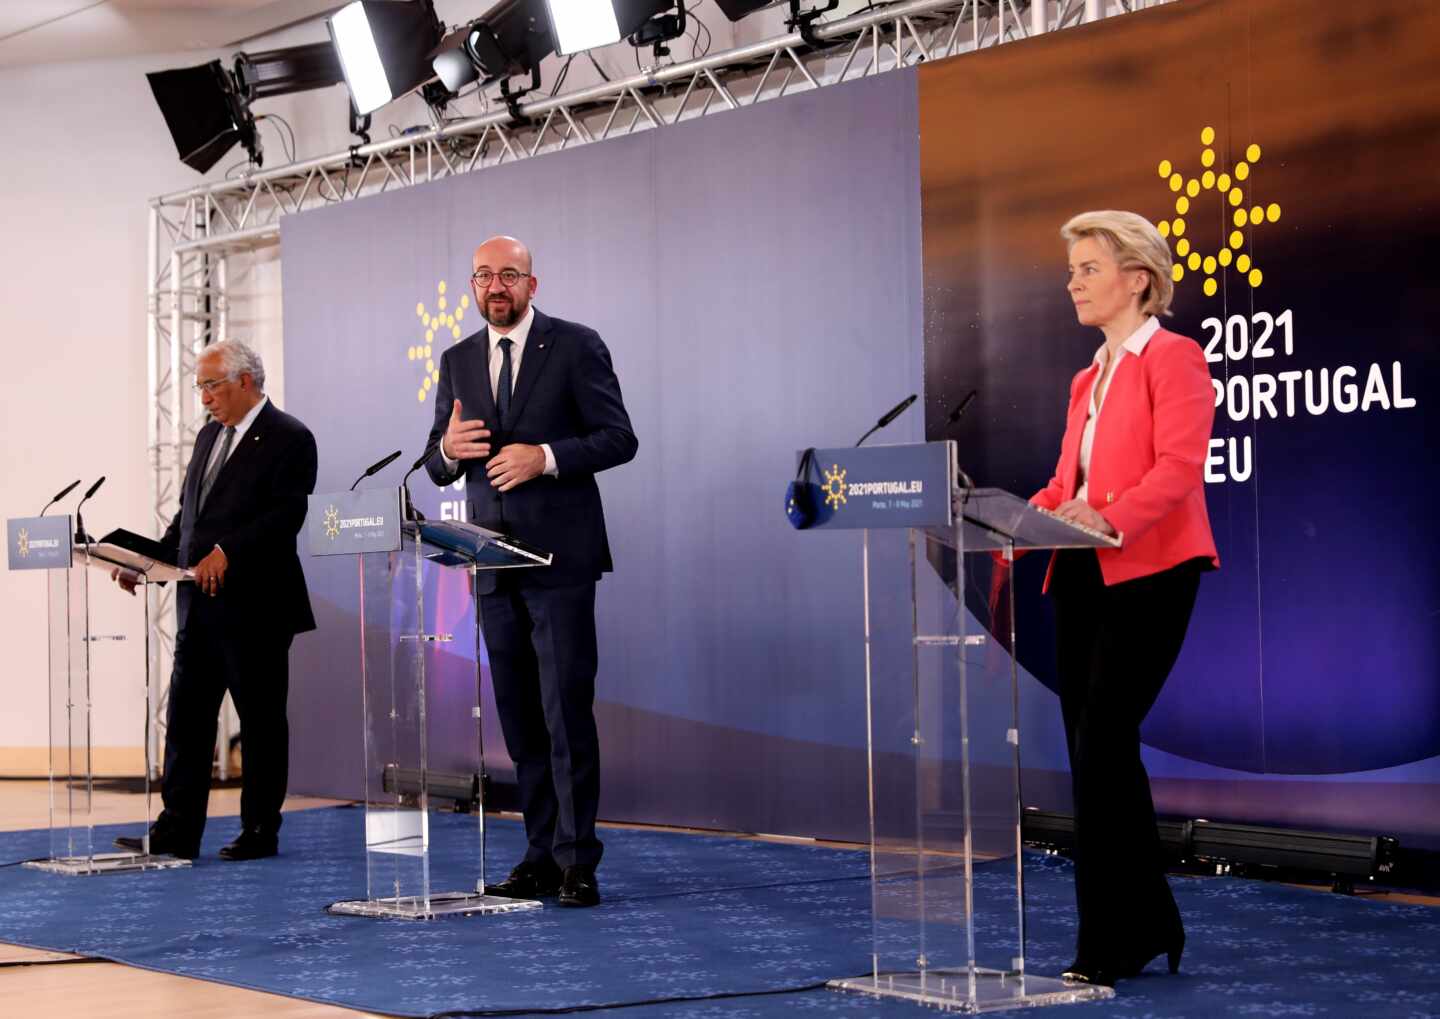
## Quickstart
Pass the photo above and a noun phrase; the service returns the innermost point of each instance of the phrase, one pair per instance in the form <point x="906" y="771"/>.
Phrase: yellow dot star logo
<point x="441" y="326"/>
<point x="1228" y="188"/>
<point x="835" y="487"/>
<point x="332" y="523"/>
<point x="22" y="541"/>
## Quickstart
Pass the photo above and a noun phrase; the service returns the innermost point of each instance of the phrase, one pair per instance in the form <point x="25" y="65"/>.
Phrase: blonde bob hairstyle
<point x="1135" y="244"/>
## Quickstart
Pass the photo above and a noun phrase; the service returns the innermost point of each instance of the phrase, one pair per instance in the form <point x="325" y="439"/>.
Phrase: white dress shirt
<point x="240" y="430"/>
<point x="1134" y="344"/>
<point x="518" y="335"/>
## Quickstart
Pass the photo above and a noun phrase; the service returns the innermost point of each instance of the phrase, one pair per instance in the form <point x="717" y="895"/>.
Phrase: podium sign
<point x="883" y="486"/>
<point x="353" y="523"/>
<point x="38" y="543"/>
<point x="75" y="652"/>
<point x="942" y="724"/>
<point x="400" y="644"/>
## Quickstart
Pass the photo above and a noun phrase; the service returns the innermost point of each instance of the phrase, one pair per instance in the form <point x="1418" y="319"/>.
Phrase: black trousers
<point x="543" y="659"/>
<point x="1116" y="646"/>
<point x="210" y="658"/>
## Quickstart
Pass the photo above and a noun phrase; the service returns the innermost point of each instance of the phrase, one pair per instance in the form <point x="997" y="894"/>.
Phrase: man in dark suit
<point x="530" y="411"/>
<point x="241" y="506"/>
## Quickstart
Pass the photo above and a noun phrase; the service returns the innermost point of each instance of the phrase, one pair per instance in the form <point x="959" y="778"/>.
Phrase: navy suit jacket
<point x="566" y="395"/>
<point x="254" y="512"/>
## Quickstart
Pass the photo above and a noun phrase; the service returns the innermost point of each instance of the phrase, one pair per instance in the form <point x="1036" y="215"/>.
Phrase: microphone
<point x="961" y="407"/>
<point x="376" y="468"/>
<point x="956" y="415"/>
<point x="411" y="513"/>
<point x="893" y="413"/>
<point x="62" y="494"/>
<point x="80" y="534"/>
<point x="420" y="461"/>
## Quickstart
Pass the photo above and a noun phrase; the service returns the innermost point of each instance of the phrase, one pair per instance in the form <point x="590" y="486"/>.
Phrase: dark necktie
<point x="208" y="482"/>
<point x="502" y="391"/>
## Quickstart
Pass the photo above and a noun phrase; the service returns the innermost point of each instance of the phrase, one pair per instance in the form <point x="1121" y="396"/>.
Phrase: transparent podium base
<point x="949" y="990"/>
<point x="443" y="904"/>
<point x="106" y="863"/>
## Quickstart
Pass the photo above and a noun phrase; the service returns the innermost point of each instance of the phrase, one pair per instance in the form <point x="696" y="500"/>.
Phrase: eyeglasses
<point x="210" y="385"/>
<point x="509" y="277"/>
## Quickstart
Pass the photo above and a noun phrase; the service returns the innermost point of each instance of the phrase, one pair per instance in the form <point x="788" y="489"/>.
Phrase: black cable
<point x="230" y="171"/>
<point x="572" y="1009"/>
<point x="560" y="78"/>
<point x="290" y="149"/>
<point x="84" y="959"/>
<point x="596" y="64"/>
<point x="709" y="37"/>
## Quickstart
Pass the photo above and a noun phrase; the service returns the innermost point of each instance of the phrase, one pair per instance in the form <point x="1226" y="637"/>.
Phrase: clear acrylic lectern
<point x="943" y="741"/>
<point x="397" y="650"/>
<point x="73" y="650"/>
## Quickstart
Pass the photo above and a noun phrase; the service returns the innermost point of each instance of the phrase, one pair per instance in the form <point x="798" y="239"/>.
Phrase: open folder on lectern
<point x="138" y="554"/>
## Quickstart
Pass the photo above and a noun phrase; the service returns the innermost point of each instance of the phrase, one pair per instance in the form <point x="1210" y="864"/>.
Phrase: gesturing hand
<point x="1083" y="513"/>
<point x="515" y="465"/>
<point x="464" y="440"/>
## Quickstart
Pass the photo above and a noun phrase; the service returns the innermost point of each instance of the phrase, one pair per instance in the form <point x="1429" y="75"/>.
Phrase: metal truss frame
<point x="193" y="231"/>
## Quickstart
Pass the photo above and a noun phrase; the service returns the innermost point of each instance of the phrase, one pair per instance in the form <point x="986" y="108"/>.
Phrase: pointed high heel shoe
<point x="1172" y="953"/>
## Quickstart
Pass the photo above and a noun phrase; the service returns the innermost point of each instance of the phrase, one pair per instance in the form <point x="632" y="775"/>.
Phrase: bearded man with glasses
<point x="528" y="411"/>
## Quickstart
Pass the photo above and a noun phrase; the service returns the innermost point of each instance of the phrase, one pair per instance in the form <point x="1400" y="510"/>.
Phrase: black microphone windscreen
<point x="897" y="410"/>
<point x="66" y="490"/>
<point x="961" y="407"/>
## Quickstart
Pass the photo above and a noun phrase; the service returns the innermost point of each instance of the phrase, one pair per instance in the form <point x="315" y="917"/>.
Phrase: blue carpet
<point x="684" y="916"/>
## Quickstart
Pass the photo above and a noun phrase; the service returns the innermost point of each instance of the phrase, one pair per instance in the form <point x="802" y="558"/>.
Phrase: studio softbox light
<point x="579" y="25"/>
<point x="385" y="48"/>
<point x="737" y="9"/>
<point x="205" y="116"/>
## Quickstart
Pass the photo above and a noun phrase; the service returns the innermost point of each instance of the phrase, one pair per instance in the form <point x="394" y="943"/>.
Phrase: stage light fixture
<point x="384" y="47"/>
<point x="510" y="39"/>
<point x="207" y="108"/>
<point x="803" y="21"/>
<point x="204" y="112"/>
<point x="579" y="25"/>
<point x="737" y="9"/>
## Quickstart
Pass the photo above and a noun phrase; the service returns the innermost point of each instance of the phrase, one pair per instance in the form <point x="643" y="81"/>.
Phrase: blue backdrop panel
<point x="757" y="278"/>
<point x="1306" y="693"/>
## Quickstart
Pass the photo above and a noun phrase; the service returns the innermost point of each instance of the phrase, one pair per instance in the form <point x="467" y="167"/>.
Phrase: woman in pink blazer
<point x="1131" y="462"/>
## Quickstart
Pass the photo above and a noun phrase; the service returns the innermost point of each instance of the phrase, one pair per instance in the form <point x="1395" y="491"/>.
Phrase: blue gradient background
<point x="758" y="277"/>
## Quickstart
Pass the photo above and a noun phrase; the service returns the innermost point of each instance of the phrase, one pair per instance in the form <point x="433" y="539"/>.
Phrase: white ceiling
<point x="53" y="31"/>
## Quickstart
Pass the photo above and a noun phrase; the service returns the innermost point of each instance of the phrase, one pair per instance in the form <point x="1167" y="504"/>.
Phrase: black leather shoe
<point x="579" y="888"/>
<point x="528" y="881"/>
<point x="164" y="841"/>
<point x="251" y="844"/>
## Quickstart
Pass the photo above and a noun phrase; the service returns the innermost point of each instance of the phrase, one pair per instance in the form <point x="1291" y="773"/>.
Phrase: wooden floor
<point x="59" y="986"/>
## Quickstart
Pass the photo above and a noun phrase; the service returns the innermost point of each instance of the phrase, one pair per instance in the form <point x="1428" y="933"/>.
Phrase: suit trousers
<point x="543" y="659"/>
<point x="211" y="657"/>
<point x="1116" y="646"/>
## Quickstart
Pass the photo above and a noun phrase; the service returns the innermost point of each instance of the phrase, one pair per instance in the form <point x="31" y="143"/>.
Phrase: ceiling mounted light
<point x="510" y="39"/>
<point x="207" y="108"/>
<point x="385" y="48"/>
<point x="204" y="112"/>
<point x="579" y="25"/>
